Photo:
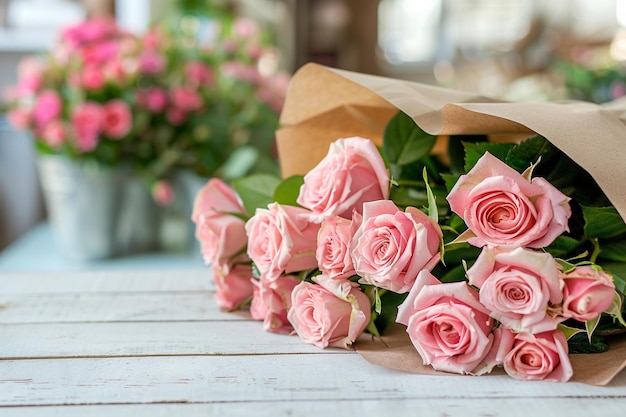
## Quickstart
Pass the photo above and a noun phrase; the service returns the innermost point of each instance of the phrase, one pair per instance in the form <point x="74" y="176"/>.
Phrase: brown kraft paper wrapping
<point x="324" y="104"/>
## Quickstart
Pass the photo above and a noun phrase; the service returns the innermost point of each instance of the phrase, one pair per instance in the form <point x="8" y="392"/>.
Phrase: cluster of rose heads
<point x="318" y="266"/>
<point x="516" y="295"/>
<point x="110" y="95"/>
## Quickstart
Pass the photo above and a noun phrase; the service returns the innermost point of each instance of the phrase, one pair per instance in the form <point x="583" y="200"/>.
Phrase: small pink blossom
<point x="55" y="133"/>
<point x="186" y="99"/>
<point x="198" y="73"/>
<point x="116" y="119"/>
<point x="152" y="63"/>
<point x="19" y="118"/>
<point x="47" y="107"/>
<point x="87" y="122"/>
<point x="92" y="77"/>
<point x="163" y="193"/>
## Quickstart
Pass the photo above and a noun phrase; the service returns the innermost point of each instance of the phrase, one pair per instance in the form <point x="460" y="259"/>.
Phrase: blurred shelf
<point x="35" y="251"/>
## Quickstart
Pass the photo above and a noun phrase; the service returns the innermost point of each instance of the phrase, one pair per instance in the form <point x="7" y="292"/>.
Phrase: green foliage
<point x="256" y="191"/>
<point x="288" y="190"/>
<point x="474" y="151"/>
<point x="603" y="222"/>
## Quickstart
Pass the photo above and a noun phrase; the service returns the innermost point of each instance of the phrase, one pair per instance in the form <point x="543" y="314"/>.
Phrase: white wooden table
<point x="116" y="343"/>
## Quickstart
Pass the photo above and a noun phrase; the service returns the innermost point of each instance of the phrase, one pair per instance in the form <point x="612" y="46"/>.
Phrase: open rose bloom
<point x="478" y="284"/>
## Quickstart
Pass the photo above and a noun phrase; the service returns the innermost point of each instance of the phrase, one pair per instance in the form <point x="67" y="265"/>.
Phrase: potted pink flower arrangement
<point x="113" y="107"/>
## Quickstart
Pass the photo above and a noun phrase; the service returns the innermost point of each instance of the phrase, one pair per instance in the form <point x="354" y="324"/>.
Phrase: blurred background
<point x="518" y="50"/>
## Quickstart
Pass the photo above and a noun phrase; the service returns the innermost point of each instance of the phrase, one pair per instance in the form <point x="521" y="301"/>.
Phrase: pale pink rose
<point x="333" y="248"/>
<point x="220" y="228"/>
<point x="233" y="285"/>
<point x="331" y="313"/>
<point x="240" y="71"/>
<point x="449" y="327"/>
<point x="19" y="118"/>
<point x="55" y="133"/>
<point x="186" y="99"/>
<point x="198" y="73"/>
<point x="216" y="196"/>
<point x="587" y="293"/>
<point x="281" y="239"/>
<point x="152" y="63"/>
<point x="155" y="99"/>
<point x="352" y="173"/>
<point x="542" y="356"/>
<point x="87" y="122"/>
<point x="271" y="302"/>
<point x="501" y="207"/>
<point x="163" y="193"/>
<point x="47" y="107"/>
<point x="116" y="119"/>
<point x="519" y="287"/>
<point x="92" y="77"/>
<point x="390" y="247"/>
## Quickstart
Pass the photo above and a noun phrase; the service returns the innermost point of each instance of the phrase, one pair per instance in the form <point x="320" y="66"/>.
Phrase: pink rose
<point x="216" y="196"/>
<point x="542" y="356"/>
<point x="198" y="73"/>
<point x="47" y="107"/>
<point x="219" y="228"/>
<point x="155" y="99"/>
<point x="271" y="302"/>
<point x="54" y="133"/>
<point x="352" y="173"/>
<point x="92" y="77"/>
<point x="151" y="63"/>
<point x="333" y="248"/>
<point x="163" y="193"/>
<point x="186" y="99"/>
<point x="501" y="207"/>
<point x="233" y="285"/>
<point x="101" y="52"/>
<point x="117" y="119"/>
<point x="281" y="239"/>
<point x="87" y="122"/>
<point x="519" y="287"/>
<point x="390" y="247"/>
<point x="331" y="313"/>
<point x="587" y="293"/>
<point x="449" y="327"/>
<point x="245" y="28"/>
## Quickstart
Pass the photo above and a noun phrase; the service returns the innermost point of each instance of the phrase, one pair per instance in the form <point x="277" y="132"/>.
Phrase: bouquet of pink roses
<point x="491" y="254"/>
<point x="161" y="101"/>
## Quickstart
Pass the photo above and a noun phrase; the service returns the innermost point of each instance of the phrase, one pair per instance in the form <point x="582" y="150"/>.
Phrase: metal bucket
<point x="83" y="203"/>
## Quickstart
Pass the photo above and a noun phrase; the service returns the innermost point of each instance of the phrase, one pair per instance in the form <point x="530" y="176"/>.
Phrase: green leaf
<point x="432" y="204"/>
<point x="288" y="190"/>
<point x="603" y="222"/>
<point x="377" y="303"/>
<point x="615" y="310"/>
<point x="590" y="327"/>
<point x="569" y="331"/>
<point x="450" y="180"/>
<point x="613" y="251"/>
<point x="528" y="152"/>
<point x="404" y="142"/>
<point x="256" y="191"/>
<point x="618" y="271"/>
<point x="563" y="246"/>
<point x="456" y="150"/>
<point x="579" y="343"/>
<point x="474" y="151"/>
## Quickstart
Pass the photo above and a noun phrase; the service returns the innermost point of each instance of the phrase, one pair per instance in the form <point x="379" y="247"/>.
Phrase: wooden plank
<point x="267" y="378"/>
<point x="148" y="338"/>
<point x="101" y="307"/>
<point x="451" y="407"/>
<point x="106" y="281"/>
